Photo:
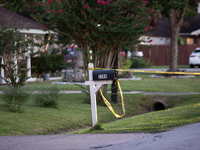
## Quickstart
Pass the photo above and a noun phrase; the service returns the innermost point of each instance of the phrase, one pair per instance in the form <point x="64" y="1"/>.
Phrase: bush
<point x="57" y="62"/>
<point x="47" y="63"/>
<point x="15" y="98"/>
<point x="48" y="97"/>
<point x="98" y="126"/>
<point x="40" y="64"/>
<point x="140" y="62"/>
<point x="125" y="64"/>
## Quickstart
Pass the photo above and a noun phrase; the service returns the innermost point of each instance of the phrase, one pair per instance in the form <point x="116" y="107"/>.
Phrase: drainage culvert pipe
<point x="158" y="105"/>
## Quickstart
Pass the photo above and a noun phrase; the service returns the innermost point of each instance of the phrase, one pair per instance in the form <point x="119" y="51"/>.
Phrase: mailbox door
<point x="104" y="74"/>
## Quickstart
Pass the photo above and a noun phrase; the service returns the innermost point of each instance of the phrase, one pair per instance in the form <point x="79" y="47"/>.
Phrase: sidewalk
<point x="140" y="92"/>
<point x="129" y="92"/>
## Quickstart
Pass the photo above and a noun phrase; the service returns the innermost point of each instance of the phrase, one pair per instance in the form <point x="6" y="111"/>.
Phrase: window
<point x="190" y="41"/>
<point x="197" y="51"/>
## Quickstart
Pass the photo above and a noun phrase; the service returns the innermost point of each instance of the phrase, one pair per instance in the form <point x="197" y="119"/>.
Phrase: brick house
<point x="27" y="27"/>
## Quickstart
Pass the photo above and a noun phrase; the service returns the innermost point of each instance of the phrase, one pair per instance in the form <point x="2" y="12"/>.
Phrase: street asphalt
<point x="182" y="138"/>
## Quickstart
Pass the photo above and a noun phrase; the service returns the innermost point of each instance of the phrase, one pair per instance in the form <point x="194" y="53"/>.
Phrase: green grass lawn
<point x="146" y="84"/>
<point x="73" y="114"/>
<point x="42" y="85"/>
<point x="157" y="121"/>
<point x="161" y="84"/>
<point x="167" y="67"/>
<point x="187" y="111"/>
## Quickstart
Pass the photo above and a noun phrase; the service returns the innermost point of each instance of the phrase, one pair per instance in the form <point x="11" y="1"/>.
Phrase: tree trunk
<point x="175" y="20"/>
<point x="78" y="69"/>
<point x="115" y="85"/>
<point x="174" y="29"/>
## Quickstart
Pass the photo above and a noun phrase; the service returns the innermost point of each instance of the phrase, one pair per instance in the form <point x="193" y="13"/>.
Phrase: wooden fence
<point x="160" y="54"/>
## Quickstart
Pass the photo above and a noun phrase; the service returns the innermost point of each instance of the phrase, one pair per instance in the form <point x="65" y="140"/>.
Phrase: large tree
<point x="22" y="7"/>
<point x="100" y="26"/>
<point x="174" y="10"/>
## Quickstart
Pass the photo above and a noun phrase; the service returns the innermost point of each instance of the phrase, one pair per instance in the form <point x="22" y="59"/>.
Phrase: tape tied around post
<point x="110" y="106"/>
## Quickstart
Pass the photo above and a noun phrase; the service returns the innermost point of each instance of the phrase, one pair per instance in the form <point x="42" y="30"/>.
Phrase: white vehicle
<point x="135" y="54"/>
<point x="194" y="59"/>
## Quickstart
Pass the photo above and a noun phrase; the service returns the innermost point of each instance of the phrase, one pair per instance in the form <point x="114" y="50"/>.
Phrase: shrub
<point x="140" y="62"/>
<point x="57" y="62"/>
<point x="48" y="97"/>
<point x="15" y="98"/>
<point x="125" y="64"/>
<point x="40" y="64"/>
<point x="47" y="63"/>
<point x="98" y="126"/>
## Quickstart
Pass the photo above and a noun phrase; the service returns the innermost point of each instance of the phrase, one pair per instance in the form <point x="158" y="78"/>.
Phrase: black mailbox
<point x="104" y="74"/>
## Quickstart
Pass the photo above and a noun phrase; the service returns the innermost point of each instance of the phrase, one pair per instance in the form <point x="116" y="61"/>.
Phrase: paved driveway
<point x="182" y="138"/>
<point x="66" y="142"/>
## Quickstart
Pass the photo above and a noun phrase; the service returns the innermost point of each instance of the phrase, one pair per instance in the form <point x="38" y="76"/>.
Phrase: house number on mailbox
<point x="102" y="76"/>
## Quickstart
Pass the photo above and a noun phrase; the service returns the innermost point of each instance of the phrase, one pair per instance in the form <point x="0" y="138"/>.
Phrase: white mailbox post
<point x="94" y="87"/>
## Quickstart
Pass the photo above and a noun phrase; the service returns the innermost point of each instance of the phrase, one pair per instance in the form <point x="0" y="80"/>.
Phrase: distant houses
<point x="189" y="39"/>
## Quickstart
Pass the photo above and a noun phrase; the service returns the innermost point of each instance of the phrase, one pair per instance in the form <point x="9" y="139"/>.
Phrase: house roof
<point x="162" y="28"/>
<point x="17" y="20"/>
<point x="194" y="25"/>
<point x="197" y="32"/>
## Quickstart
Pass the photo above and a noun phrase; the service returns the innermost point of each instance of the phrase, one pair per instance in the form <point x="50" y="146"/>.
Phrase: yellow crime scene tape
<point x="123" y="106"/>
<point x="110" y="106"/>
<point x="162" y="72"/>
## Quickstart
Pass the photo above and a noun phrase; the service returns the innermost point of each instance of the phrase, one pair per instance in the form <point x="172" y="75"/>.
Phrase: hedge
<point x="47" y="63"/>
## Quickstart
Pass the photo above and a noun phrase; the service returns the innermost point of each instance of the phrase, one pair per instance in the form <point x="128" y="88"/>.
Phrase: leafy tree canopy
<point x="95" y="24"/>
<point x="23" y="7"/>
<point x="165" y="6"/>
